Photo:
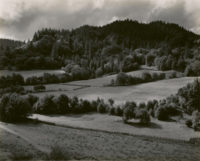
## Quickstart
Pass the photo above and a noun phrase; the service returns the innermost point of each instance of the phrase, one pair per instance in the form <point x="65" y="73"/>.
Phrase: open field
<point x="56" y="87"/>
<point x="172" y="130"/>
<point x="86" y="144"/>
<point x="105" y="80"/>
<point x="13" y="147"/>
<point x="30" y="73"/>
<point x="139" y="93"/>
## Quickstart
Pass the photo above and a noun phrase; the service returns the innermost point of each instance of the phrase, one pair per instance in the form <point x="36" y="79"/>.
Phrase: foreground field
<point x="86" y="144"/>
<point x="138" y="93"/>
<point x="172" y="130"/>
<point x="12" y="147"/>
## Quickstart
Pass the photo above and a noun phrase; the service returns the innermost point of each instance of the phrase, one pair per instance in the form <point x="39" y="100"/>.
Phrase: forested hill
<point x="118" y="46"/>
<point x="132" y="34"/>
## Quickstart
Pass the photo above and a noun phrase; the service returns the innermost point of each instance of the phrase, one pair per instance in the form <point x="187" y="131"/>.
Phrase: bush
<point x="13" y="108"/>
<point x="172" y="75"/>
<point x="188" y="123"/>
<point x="128" y="112"/>
<point x="101" y="108"/>
<point x="144" y="116"/>
<point x="162" y="114"/>
<point x="118" y="111"/>
<point x="142" y="105"/>
<point x="112" y="111"/>
<point x="62" y="104"/>
<point x="196" y="120"/>
<point x="32" y="99"/>
<point x="146" y="77"/>
<point x="46" y="105"/>
<point x="122" y="79"/>
<point x="21" y="156"/>
<point x="39" y="87"/>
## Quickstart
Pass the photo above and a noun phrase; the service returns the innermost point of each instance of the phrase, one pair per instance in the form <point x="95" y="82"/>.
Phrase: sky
<point x="19" y="19"/>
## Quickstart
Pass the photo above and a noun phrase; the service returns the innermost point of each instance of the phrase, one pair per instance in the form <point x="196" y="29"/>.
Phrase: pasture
<point x="138" y="93"/>
<point x="96" y="145"/>
<point x="173" y="130"/>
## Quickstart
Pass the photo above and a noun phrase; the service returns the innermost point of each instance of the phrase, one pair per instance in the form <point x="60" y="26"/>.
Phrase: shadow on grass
<point x="139" y="125"/>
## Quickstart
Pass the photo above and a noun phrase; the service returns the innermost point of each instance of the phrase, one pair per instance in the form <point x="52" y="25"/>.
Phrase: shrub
<point x="144" y="116"/>
<point x="172" y="75"/>
<point x="128" y="113"/>
<point x="101" y="108"/>
<point x="188" y="123"/>
<point x="32" y="99"/>
<point x="196" y="120"/>
<point x="13" y="107"/>
<point x="62" y="103"/>
<point x="86" y="106"/>
<point x="118" y="111"/>
<point x="112" y="111"/>
<point x="46" y="105"/>
<point x="162" y="114"/>
<point x="162" y="76"/>
<point x="39" y="87"/>
<point x="146" y="77"/>
<point x="142" y="105"/>
<point x="122" y="79"/>
<point x="21" y="156"/>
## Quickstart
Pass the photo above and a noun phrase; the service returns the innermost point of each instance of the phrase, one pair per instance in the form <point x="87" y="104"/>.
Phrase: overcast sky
<point x="19" y="19"/>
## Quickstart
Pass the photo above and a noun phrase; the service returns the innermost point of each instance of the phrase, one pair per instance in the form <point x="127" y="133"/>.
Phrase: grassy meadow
<point x="138" y="93"/>
<point x="77" y="144"/>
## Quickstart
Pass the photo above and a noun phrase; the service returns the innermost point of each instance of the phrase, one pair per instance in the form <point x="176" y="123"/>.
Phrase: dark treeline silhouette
<point x="117" y="47"/>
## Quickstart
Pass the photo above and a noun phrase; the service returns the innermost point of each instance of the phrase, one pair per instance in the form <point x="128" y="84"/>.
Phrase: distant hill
<point x="118" y="46"/>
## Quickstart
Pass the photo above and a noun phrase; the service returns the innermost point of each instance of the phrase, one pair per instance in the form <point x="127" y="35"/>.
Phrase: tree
<point x="62" y="104"/>
<point x="196" y="120"/>
<point x="128" y="111"/>
<point x="13" y="108"/>
<point x="122" y="79"/>
<point x="162" y="114"/>
<point x="144" y="116"/>
<point x="46" y="105"/>
<point x="146" y="77"/>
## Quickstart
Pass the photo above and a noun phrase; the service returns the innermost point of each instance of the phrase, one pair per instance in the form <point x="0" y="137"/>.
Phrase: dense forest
<point x="121" y="46"/>
<point x="7" y="44"/>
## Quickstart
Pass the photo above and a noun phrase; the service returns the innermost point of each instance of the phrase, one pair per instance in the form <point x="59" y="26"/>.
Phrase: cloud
<point x="21" y="18"/>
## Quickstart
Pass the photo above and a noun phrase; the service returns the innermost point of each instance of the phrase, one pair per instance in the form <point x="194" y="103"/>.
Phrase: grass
<point x="173" y="130"/>
<point x="14" y="148"/>
<point x="105" y="80"/>
<point x="138" y="93"/>
<point x="55" y="87"/>
<point x="57" y="153"/>
<point x="88" y="145"/>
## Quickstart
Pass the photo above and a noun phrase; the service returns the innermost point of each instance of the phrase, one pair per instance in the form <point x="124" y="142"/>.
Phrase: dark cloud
<point x="27" y="17"/>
